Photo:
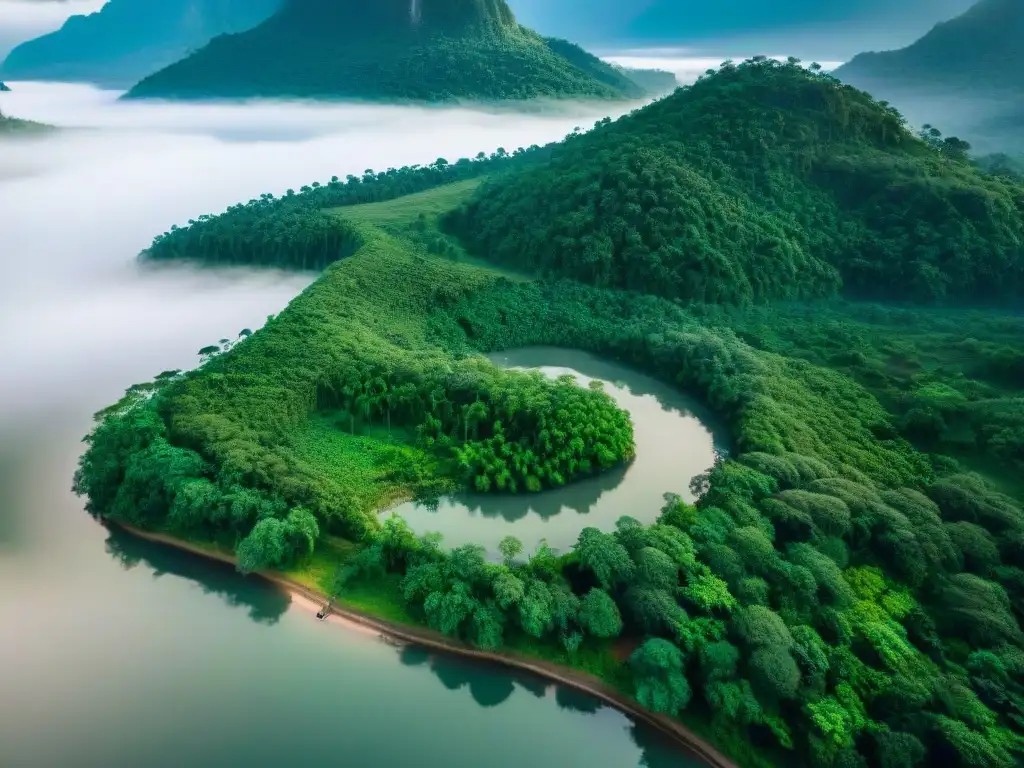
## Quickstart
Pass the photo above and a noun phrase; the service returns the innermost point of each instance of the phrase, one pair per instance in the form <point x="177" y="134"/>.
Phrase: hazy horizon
<point x="79" y="205"/>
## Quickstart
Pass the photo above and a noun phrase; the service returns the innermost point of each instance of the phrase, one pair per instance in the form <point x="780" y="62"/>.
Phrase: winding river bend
<point x="676" y="438"/>
<point x="116" y="652"/>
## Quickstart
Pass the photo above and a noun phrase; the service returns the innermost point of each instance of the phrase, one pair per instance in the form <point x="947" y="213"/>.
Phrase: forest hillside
<point x="128" y="39"/>
<point x="978" y="50"/>
<point x="420" y="50"/>
<point x="763" y="180"/>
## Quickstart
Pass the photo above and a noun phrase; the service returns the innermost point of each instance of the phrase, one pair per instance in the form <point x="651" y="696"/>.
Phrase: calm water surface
<point x="673" y="439"/>
<point x="115" y="652"/>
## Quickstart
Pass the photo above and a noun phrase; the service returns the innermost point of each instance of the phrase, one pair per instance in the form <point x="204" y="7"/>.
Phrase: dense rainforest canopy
<point x="761" y="181"/>
<point x="848" y="591"/>
<point x="417" y="50"/>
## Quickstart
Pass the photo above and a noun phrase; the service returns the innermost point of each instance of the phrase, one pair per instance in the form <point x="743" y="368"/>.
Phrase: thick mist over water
<point x="77" y="208"/>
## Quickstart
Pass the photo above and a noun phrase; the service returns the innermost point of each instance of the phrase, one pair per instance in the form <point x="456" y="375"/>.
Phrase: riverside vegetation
<point x="846" y="591"/>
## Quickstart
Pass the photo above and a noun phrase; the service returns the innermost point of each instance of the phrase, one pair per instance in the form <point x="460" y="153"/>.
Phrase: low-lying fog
<point x="80" y="319"/>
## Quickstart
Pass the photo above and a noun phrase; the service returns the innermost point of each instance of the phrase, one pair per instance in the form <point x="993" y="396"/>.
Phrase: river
<point x="674" y="442"/>
<point x="117" y="652"/>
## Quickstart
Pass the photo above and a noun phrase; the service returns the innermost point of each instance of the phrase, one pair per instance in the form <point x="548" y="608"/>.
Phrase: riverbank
<point x="429" y="639"/>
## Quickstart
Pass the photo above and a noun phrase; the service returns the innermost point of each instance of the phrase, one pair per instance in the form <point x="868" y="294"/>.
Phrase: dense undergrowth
<point x="761" y="181"/>
<point x="837" y="597"/>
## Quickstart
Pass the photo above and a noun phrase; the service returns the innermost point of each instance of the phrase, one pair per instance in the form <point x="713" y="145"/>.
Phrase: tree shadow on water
<point x="658" y="751"/>
<point x="488" y="687"/>
<point x="580" y="496"/>
<point x="490" y="684"/>
<point x="264" y="602"/>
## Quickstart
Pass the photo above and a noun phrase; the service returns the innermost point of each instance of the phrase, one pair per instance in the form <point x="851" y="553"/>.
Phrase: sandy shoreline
<point x="426" y="638"/>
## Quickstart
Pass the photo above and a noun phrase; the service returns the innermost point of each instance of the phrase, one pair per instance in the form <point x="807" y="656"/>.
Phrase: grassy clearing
<point x="416" y="218"/>
<point x="405" y="211"/>
<point x="366" y="459"/>
<point x="381" y="597"/>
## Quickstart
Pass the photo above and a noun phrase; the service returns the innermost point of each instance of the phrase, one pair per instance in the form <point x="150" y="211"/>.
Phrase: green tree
<point x="599" y="615"/>
<point x="661" y="685"/>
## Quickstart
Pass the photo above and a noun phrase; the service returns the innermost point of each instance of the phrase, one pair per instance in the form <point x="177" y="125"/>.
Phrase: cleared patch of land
<point x="405" y="211"/>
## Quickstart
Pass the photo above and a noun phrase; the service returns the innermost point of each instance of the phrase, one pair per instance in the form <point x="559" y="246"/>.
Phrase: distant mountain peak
<point x="127" y="39"/>
<point x="393" y="50"/>
<point x="450" y="17"/>
<point x="981" y="48"/>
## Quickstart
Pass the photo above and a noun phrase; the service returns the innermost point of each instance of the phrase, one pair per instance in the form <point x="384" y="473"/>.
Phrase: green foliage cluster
<point x="353" y="350"/>
<point x="292" y="230"/>
<point x="950" y="377"/>
<point x="345" y="50"/>
<point x="262" y="233"/>
<point x="763" y="180"/>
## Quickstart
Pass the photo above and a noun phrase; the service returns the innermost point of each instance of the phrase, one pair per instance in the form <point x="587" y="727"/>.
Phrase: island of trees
<point x="848" y="590"/>
<point x="396" y="50"/>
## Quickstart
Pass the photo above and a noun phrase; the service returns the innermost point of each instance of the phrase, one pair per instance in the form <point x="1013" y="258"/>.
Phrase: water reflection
<point x="264" y="602"/>
<point x="488" y="687"/>
<point x="491" y="686"/>
<point x="676" y="438"/>
<point x="580" y="497"/>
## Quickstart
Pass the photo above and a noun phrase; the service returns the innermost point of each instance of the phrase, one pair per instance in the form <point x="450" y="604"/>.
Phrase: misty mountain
<point x="392" y="50"/>
<point x="982" y="48"/>
<point x="966" y="76"/>
<point x="3" y="87"/>
<point x="127" y="39"/>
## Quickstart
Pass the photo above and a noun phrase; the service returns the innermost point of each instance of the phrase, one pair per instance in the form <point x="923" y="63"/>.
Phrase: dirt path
<point x="427" y="638"/>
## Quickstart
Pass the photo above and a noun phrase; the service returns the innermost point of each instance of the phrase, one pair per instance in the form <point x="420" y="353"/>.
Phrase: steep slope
<point x="127" y="39"/>
<point x="423" y="50"/>
<point x="762" y="181"/>
<point x="981" y="49"/>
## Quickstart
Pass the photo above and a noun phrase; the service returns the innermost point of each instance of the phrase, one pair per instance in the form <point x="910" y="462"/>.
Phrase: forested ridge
<point x="762" y="181"/>
<point x="12" y="126"/>
<point x="847" y="592"/>
<point x="430" y="50"/>
<point x="270" y="230"/>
